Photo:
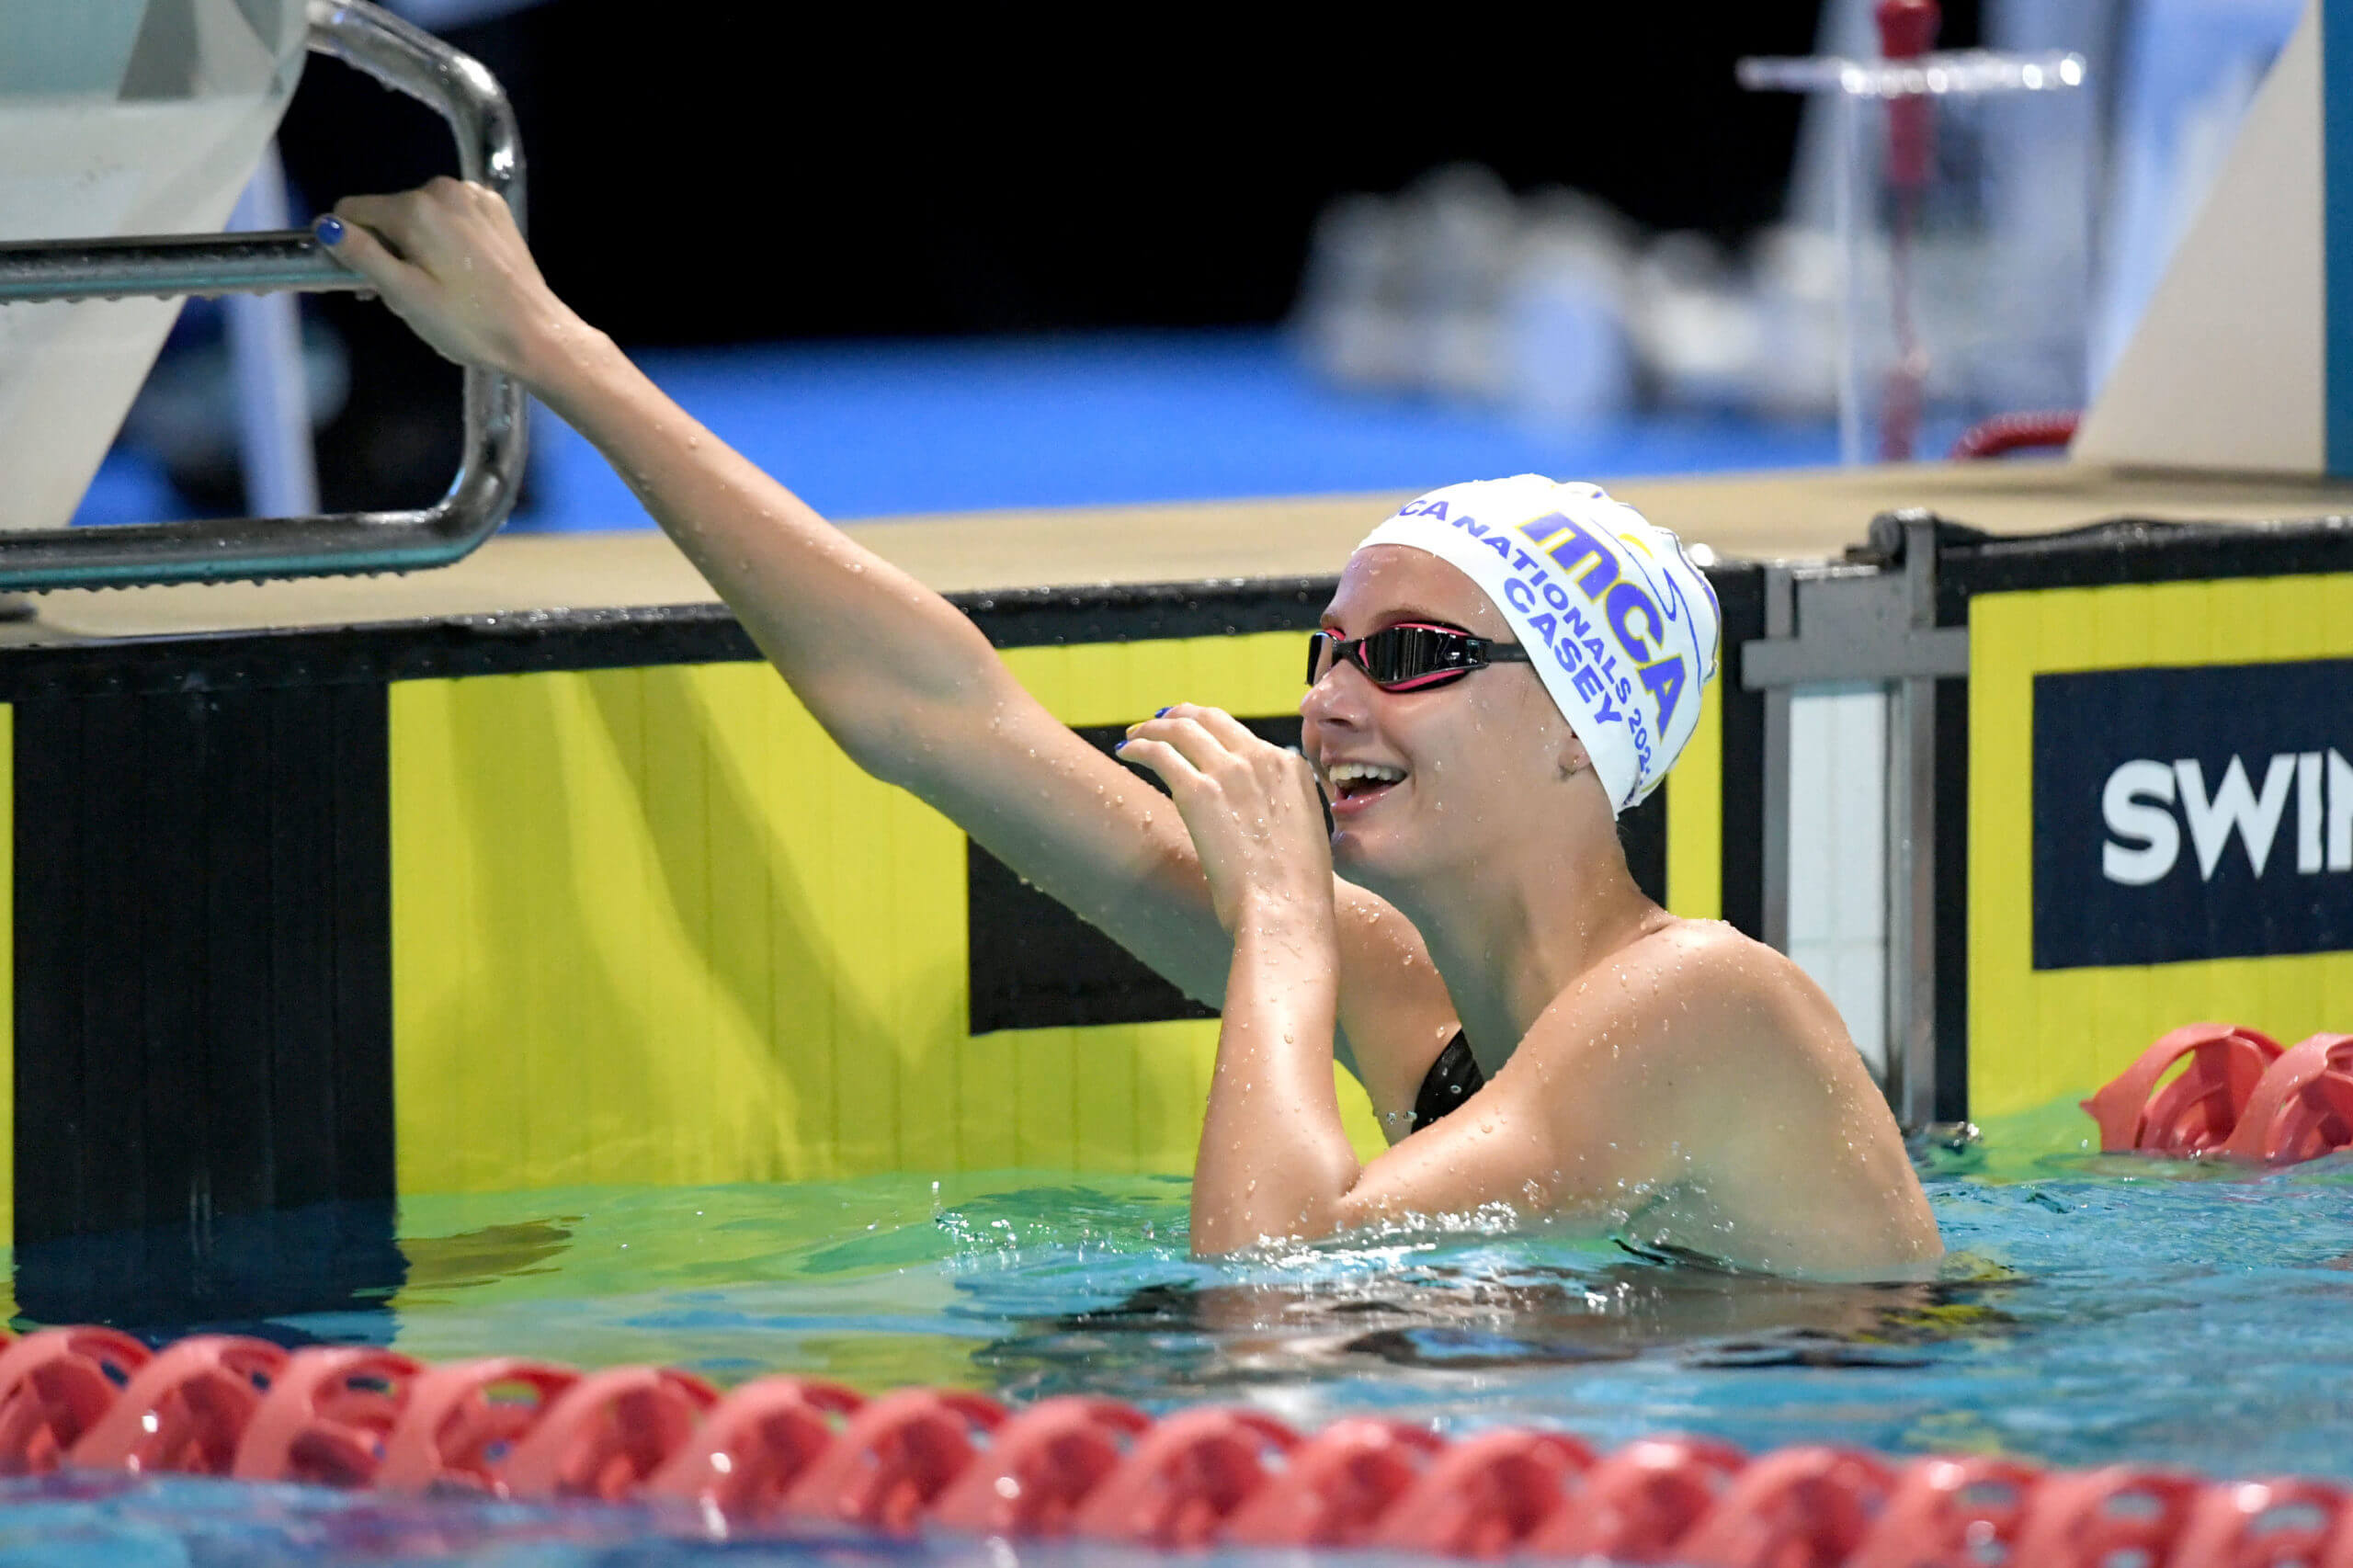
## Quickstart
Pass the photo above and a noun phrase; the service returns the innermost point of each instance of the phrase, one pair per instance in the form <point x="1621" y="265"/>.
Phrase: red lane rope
<point x="2014" y="433"/>
<point x="784" y="1450"/>
<point x="2241" y="1098"/>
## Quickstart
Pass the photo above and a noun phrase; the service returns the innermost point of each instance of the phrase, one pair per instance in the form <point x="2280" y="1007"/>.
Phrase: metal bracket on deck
<point x="1875" y="624"/>
<point x="490" y="471"/>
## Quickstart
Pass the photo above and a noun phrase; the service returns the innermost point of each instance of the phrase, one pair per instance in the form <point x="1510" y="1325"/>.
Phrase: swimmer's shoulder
<point x="1715" y="963"/>
<point x="1718" y="989"/>
<point x="1780" y="1117"/>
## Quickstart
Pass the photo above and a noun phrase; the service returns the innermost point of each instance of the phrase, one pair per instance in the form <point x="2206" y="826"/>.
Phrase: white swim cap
<point x="1627" y="623"/>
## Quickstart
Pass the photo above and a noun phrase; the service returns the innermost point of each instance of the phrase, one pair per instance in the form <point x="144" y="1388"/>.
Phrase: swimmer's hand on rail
<point x="448" y="260"/>
<point x="1254" y="810"/>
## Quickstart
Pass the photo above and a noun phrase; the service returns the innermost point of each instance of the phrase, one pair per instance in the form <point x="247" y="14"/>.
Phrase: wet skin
<point x="1665" y="1077"/>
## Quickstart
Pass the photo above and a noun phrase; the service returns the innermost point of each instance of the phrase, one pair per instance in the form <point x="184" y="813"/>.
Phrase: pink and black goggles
<point x="1413" y="656"/>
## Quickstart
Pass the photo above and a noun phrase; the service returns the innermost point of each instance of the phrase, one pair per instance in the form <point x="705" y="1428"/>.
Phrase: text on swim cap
<point x="1553" y="618"/>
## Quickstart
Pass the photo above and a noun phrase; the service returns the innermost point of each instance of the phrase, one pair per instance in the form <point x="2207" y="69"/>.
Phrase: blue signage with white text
<point x="2204" y="812"/>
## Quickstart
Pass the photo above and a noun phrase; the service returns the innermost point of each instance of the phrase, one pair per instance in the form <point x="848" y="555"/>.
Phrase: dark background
<point x="703" y="174"/>
<point x="744" y="177"/>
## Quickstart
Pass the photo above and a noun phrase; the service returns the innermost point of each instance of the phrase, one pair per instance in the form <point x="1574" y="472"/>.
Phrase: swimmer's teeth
<point x="1345" y="773"/>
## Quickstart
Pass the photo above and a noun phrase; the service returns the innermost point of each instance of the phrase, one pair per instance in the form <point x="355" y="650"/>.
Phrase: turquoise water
<point x="2094" y="1310"/>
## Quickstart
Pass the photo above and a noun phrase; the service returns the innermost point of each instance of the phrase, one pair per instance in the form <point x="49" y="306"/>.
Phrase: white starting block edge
<point x="2244" y="360"/>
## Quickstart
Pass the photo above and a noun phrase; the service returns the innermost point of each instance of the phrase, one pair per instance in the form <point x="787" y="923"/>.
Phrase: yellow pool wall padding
<point x="1695" y="818"/>
<point x="651" y="925"/>
<point x="2035" y="1039"/>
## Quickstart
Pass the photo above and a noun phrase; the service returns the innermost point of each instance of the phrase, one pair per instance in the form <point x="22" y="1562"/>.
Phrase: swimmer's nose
<point x="1334" y="706"/>
<point x="1342" y="697"/>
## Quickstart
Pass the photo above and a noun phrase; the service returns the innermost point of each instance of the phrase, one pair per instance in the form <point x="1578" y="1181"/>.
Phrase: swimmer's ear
<point x="1573" y="759"/>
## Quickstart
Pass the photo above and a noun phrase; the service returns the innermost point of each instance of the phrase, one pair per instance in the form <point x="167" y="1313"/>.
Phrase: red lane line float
<point x="2013" y="433"/>
<point x="2302" y="1106"/>
<point x="326" y="1416"/>
<point x="604" y="1436"/>
<point x="54" y="1386"/>
<point x="1486" y="1494"/>
<point x="2120" y="1513"/>
<point x="2198" y="1110"/>
<point x="2241" y="1098"/>
<point x="750" y="1451"/>
<point x="894" y="1458"/>
<point x="461" y="1422"/>
<point x="1950" y="1513"/>
<point x="186" y="1410"/>
<point x="781" y="1451"/>
<point x="1637" y="1503"/>
<point x="2264" y="1524"/>
<point x="1038" y="1467"/>
<point x="1184" y="1478"/>
<point x="1336" y="1485"/>
<point x="1802" y="1507"/>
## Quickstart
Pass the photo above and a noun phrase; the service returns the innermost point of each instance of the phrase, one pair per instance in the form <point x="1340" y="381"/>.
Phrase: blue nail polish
<point x="329" y="229"/>
<point x="1121" y="746"/>
<point x="1164" y="712"/>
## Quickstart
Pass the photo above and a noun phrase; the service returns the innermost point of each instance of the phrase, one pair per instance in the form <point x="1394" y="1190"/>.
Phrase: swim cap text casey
<point x="1636" y="615"/>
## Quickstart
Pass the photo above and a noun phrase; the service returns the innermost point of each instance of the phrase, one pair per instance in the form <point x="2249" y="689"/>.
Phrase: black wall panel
<point x="203" y="959"/>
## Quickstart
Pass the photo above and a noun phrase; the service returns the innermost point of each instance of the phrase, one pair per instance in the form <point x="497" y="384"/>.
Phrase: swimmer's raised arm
<point x="902" y="681"/>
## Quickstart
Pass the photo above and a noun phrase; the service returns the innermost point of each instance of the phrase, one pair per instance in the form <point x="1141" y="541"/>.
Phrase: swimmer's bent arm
<point x="904" y="682"/>
<point x="1556" y="1132"/>
<point x="1275" y="1161"/>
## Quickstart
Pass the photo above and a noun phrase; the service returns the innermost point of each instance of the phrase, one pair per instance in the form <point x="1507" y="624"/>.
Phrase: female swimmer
<point x="1504" y="667"/>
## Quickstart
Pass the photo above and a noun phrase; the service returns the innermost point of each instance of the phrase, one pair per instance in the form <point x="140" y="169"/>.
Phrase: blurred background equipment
<point x="1962" y="220"/>
<point x="123" y="118"/>
<point x="1238" y="267"/>
<point x="270" y="398"/>
<point x="2241" y="360"/>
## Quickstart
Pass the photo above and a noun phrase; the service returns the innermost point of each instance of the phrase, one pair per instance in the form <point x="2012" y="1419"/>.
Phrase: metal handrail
<point x="490" y="471"/>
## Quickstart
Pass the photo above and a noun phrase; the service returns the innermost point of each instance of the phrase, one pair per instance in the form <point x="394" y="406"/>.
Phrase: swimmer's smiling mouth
<point x="1356" y="785"/>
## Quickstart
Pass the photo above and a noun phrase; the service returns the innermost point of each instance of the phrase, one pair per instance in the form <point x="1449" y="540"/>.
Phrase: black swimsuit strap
<point x="1452" y="1078"/>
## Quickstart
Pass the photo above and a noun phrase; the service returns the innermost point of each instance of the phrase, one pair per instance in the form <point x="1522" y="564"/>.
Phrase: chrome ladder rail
<point x="408" y="60"/>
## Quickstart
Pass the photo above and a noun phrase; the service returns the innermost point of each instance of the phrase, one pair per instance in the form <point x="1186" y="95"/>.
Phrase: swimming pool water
<point x="2094" y="1310"/>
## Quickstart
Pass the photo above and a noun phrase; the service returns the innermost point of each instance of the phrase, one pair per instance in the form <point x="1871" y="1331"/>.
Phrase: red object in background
<point x="1802" y="1507"/>
<point x="607" y="1434"/>
<point x="1907" y="30"/>
<point x="2014" y="433"/>
<point x="2241" y="1098"/>
<point x="184" y="1411"/>
<point x="2198" y="1110"/>
<point x="1950" y="1513"/>
<point x="751" y="1450"/>
<point x="1637" y="1503"/>
<point x="1185" y="1479"/>
<point x="457" y="1429"/>
<point x="2301" y="1107"/>
<point x="326" y="1417"/>
<point x="1039" y="1466"/>
<point x="54" y="1386"/>
<point x="895" y="1456"/>
<point x="1336" y="1485"/>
